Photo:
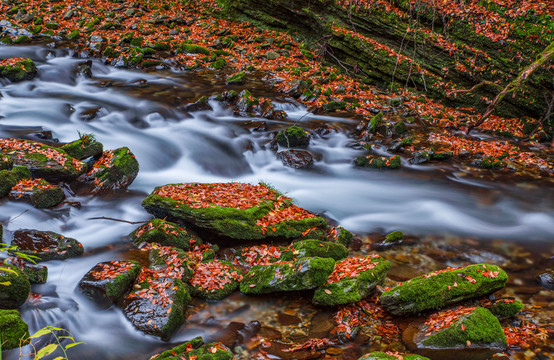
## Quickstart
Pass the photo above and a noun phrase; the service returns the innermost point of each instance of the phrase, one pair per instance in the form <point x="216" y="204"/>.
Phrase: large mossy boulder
<point x="352" y="280"/>
<point x="234" y="210"/>
<point x="214" y="280"/>
<point x="84" y="147"/>
<point x="293" y="136"/>
<point x="302" y="274"/>
<point x="115" y="169"/>
<point x="195" y="349"/>
<point x="377" y="355"/>
<point x="14" y="332"/>
<point x="107" y="282"/>
<point x="38" y="192"/>
<point x="43" y="161"/>
<point x="444" y="287"/>
<point x="165" y="233"/>
<point x="37" y="274"/>
<point x="46" y="245"/>
<point x="14" y="287"/>
<point x="17" y="69"/>
<point x="157" y="303"/>
<point x="318" y="248"/>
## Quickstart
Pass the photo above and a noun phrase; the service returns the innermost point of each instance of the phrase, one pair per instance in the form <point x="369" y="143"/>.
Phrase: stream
<point x="143" y="111"/>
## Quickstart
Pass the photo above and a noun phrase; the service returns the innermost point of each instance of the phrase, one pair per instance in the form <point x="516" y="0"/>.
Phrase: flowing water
<point x="141" y="110"/>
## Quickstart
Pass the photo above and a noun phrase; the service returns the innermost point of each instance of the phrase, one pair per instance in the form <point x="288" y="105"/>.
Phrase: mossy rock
<point x="178" y="263"/>
<point x="214" y="280"/>
<point x="107" y="282"/>
<point x="197" y="350"/>
<point x="233" y="210"/>
<point x="6" y="163"/>
<point x="194" y="49"/>
<point x="394" y="238"/>
<point x="46" y="245"/>
<point x="38" y="192"/>
<point x="441" y="156"/>
<point x="352" y="280"/>
<point x="301" y="274"/>
<point x="339" y="235"/>
<point x="37" y="274"/>
<point x="115" y="169"/>
<point x="7" y="182"/>
<point x="200" y="105"/>
<point x="236" y="79"/>
<point x="477" y="329"/>
<point x="43" y="161"/>
<point x="293" y="136"/>
<point x="318" y="248"/>
<point x="18" y="69"/>
<point x="14" y="287"/>
<point x="165" y="233"/>
<point x="156" y="305"/>
<point x="14" y="332"/>
<point x="262" y="255"/>
<point x="441" y="288"/>
<point x="332" y="106"/>
<point x="506" y="308"/>
<point x="85" y="147"/>
<point x="377" y="355"/>
<point x="379" y="162"/>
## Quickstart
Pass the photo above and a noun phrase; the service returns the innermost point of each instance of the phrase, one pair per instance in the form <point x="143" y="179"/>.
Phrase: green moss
<point x="400" y="128"/>
<point x="237" y="78"/>
<point x="165" y="233"/>
<point x="21" y="172"/>
<point x="22" y="39"/>
<point x="85" y="147"/>
<point x="7" y="181"/>
<point x="302" y="274"/>
<point x="481" y="328"/>
<point x="196" y="349"/>
<point x="14" y="287"/>
<point x="42" y="195"/>
<point x="384" y="356"/>
<point x="293" y="136"/>
<point x="339" y="235"/>
<point x="14" y="332"/>
<point x="379" y="162"/>
<point x="394" y="237"/>
<point x="444" y="288"/>
<point x="22" y="70"/>
<point x="317" y="248"/>
<point x="219" y="64"/>
<point x="120" y="171"/>
<point x="440" y="156"/>
<point x="194" y="49"/>
<point x="375" y="122"/>
<point x="506" y="308"/>
<point x="217" y="294"/>
<point x="335" y="105"/>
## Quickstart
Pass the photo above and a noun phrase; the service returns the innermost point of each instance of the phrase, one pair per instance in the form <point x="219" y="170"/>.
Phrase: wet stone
<point x="38" y="192"/>
<point x="114" y="170"/>
<point x="214" y="280"/>
<point x="196" y="349"/>
<point x="37" y="274"/>
<point x="201" y="105"/>
<point x="546" y="279"/>
<point x="17" y="69"/>
<point x="85" y="147"/>
<point x="46" y="245"/>
<point x="14" y="332"/>
<point x="295" y="158"/>
<point x="293" y="136"/>
<point x="165" y="233"/>
<point x="107" y="282"/>
<point x="15" y="287"/>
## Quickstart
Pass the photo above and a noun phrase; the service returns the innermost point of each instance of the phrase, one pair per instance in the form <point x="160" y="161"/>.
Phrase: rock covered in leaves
<point x="14" y="287"/>
<point x="115" y="169"/>
<point x="215" y="279"/>
<point x="37" y="274"/>
<point x="379" y="162"/>
<point x="165" y="233"/>
<point x="175" y="263"/>
<point x="262" y="255"/>
<point x="195" y="349"/>
<point x="9" y="178"/>
<point x="84" y="147"/>
<point x="352" y="280"/>
<point x="301" y="274"/>
<point x="234" y="210"/>
<point x="377" y="355"/>
<point x="43" y="161"/>
<point x="46" y="245"/>
<point x="295" y="158"/>
<point x="38" y="192"/>
<point x="293" y="136"/>
<point x="14" y="332"/>
<point x="17" y="69"/>
<point x="324" y="249"/>
<point x="443" y="287"/>
<point x="107" y="282"/>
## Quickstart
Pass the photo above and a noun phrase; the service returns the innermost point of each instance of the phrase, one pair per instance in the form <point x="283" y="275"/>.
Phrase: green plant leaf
<point x="59" y="358"/>
<point x="41" y="332"/>
<point x="8" y="270"/>
<point x="45" y="351"/>
<point x="69" y="346"/>
<point x="6" y="283"/>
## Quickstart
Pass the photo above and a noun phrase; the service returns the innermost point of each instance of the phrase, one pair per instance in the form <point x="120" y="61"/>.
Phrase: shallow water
<point x="141" y="110"/>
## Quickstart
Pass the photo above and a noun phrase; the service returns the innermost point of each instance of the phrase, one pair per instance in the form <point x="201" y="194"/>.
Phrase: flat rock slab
<point x="14" y="332"/>
<point x="234" y="210"/>
<point x="442" y="288"/>
<point x="46" y="245"/>
<point x="165" y="233"/>
<point x="38" y="192"/>
<point x="107" y="282"/>
<point x="197" y="350"/>
<point x="114" y="170"/>
<point x="215" y="279"/>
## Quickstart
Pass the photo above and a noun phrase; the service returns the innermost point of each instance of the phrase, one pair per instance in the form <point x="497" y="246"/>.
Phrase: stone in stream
<point x="318" y="248"/>
<point x="262" y="255"/>
<point x="377" y="355"/>
<point x="14" y="332"/>
<point x="43" y="161"/>
<point x="14" y="287"/>
<point x="379" y="162"/>
<point x="505" y="308"/>
<point x="197" y="350"/>
<point x="201" y="105"/>
<point x="107" y="282"/>
<point x="293" y="136"/>
<point x="84" y="147"/>
<point x="472" y="332"/>
<point x="46" y="245"/>
<point x="114" y="170"/>
<point x="37" y="274"/>
<point x="339" y="235"/>
<point x="352" y="280"/>
<point x="17" y="69"/>
<point x="443" y="287"/>
<point x="214" y="280"/>
<point x="235" y="210"/>
<point x="296" y="159"/>
<point x="165" y="233"/>
<point x="301" y="274"/>
<point x="38" y="192"/>
<point x="175" y="262"/>
<point x="9" y="178"/>
<point x="157" y="303"/>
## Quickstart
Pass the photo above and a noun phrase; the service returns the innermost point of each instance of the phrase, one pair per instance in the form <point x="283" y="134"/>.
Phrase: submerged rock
<point x="37" y="274"/>
<point x="165" y="233"/>
<point x="377" y="355"/>
<point x="302" y="274"/>
<point x="295" y="158"/>
<point x="324" y="249"/>
<point x="107" y="282"/>
<point x="444" y="287"/>
<point x="195" y="349"/>
<point x="38" y="192"/>
<point x="379" y="162"/>
<point x="234" y="210"/>
<point x="85" y="147"/>
<point x="352" y="280"/>
<point x="46" y="245"/>
<point x="14" y="332"/>
<point x="14" y="287"/>
<point x="114" y="170"/>
<point x="293" y="136"/>
<point x="43" y="161"/>
<point x="214" y="280"/>
<point x="17" y="69"/>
